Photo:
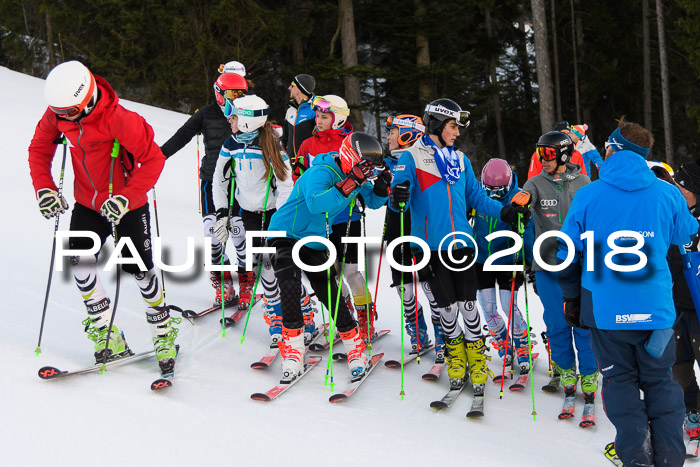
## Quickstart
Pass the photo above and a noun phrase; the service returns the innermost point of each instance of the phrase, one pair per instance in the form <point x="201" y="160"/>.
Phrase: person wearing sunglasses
<point x="334" y="181"/>
<point x="299" y="121"/>
<point x="501" y="184"/>
<point x="631" y="313"/>
<point x="403" y="131"/>
<point x="551" y="193"/>
<point x="436" y="181"/>
<point x="535" y="167"/>
<point x="111" y="197"/>
<point x="210" y="122"/>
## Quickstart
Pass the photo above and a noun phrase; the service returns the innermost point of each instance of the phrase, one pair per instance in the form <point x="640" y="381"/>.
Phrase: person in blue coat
<point x="501" y="184"/>
<point x="335" y="182"/>
<point x="437" y="182"/>
<point x="633" y="218"/>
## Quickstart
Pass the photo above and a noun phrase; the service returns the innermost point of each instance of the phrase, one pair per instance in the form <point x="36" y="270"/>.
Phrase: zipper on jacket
<point x="94" y="196"/>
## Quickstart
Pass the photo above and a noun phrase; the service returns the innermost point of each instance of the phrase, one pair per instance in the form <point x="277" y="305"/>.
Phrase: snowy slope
<point x="207" y="418"/>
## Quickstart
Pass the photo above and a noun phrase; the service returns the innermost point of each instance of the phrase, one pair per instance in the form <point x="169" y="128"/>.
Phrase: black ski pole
<point x="155" y="211"/>
<point x="61" y="140"/>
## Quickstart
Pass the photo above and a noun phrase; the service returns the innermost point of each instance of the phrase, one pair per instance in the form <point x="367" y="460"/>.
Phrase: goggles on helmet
<point x="392" y="122"/>
<point x="545" y="153"/>
<point x="73" y="110"/>
<point x="322" y="105"/>
<point x="230" y="110"/>
<point x="495" y="191"/>
<point x="462" y="116"/>
<point x="230" y="93"/>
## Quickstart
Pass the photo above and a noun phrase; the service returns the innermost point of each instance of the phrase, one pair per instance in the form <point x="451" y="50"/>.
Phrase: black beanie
<point x="305" y="83"/>
<point x="688" y="176"/>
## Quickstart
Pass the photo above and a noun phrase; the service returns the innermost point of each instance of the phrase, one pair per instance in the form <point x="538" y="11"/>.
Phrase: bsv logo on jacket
<point x="548" y="203"/>
<point x="633" y="318"/>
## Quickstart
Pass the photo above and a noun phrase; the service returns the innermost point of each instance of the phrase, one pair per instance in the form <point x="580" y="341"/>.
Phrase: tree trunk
<point x="646" y="52"/>
<point x="49" y="42"/>
<point x="422" y="53"/>
<point x="574" y="45"/>
<point x="297" y="46"/>
<point x="544" y="78"/>
<point x="525" y="61"/>
<point x="665" y="91"/>
<point x="555" y="53"/>
<point x="495" y="98"/>
<point x="377" y="110"/>
<point x="349" y="48"/>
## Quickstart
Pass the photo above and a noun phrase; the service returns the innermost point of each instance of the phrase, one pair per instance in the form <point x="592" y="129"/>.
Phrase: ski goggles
<point x="462" y="116"/>
<point x="545" y="153"/>
<point x="231" y="110"/>
<point x="495" y="191"/>
<point x="393" y="122"/>
<point x="73" y="110"/>
<point x="320" y="104"/>
<point x="231" y="93"/>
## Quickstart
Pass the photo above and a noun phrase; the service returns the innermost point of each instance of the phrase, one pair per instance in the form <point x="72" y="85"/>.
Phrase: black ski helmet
<point x="560" y="142"/>
<point x="359" y="146"/>
<point x="439" y="111"/>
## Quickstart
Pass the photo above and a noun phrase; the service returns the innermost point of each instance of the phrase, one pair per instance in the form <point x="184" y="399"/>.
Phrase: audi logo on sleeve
<point x="548" y="203"/>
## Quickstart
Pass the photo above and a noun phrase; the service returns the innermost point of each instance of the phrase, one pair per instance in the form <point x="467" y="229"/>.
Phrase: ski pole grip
<point x="115" y="149"/>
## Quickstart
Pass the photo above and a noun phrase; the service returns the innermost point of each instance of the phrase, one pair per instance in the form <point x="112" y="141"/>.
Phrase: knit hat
<point x="579" y="130"/>
<point x="305" y="83"/>
<point x="688" y="176"/>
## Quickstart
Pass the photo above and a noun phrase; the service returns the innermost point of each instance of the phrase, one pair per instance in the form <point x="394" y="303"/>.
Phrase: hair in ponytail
<point x="271" y="149"/>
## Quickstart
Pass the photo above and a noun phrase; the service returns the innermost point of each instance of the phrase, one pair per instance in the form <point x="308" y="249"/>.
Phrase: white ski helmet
<point x="335" y="105"/>
<point x="69" y="88"/>
<point x="251" y="112"/>
<point x="232" y="67"/>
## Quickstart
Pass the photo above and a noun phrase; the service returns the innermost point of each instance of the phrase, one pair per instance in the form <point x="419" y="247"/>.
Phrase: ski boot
<point x="229" y="292"/>
<point x="246" y="282"/>
<point x="365" y="321"/>
<point x="164" y="333"/>
<point x="691" y="425"/>
<point x="439" y="342"/>
<point x="568" y="379"/>
<point x="478" y="369"/>
<point x="589" y="383"/>
<point x="292" y="349"/>
<point x="456" y="356"/>
<point x="273" y="318"/>
<point x="522" y="353"/>
<point x="420" y="339"/>
<point x="355" y="349"/>
<point x="97" y="328"/>
<point x="501" y="343"/>
<point x="307" y="309"/>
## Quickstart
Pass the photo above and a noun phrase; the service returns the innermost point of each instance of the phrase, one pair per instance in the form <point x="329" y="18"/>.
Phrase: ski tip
<point x="189" y="314"/>
<point x="475" y="415"/>
<point x="337" y="398"/>
<point x="392" y="364"/>
<point x="258" y="396"/>
<point x="586" y="423"/>
<point x="339" y="357"/>
<point x="259" y="366"/>
<point x="429" y="377"/>
<point x="49" y="372"/>
<point x="161" y="384"/>
<point x="437" y="405"/>
<point x="565" y="416"/>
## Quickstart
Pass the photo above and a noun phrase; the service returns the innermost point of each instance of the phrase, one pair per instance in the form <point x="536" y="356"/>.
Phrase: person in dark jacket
<point x="626" y="299"/>
<point x="214" y="127"/>
<point x="300" y="121"/>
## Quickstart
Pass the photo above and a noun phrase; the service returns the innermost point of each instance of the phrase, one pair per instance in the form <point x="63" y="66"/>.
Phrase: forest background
<point x="517" y="66"/>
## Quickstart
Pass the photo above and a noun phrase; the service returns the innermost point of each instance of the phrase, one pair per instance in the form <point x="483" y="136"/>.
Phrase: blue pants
<point x="559" y="332"/>
<point x="649" y="431"/>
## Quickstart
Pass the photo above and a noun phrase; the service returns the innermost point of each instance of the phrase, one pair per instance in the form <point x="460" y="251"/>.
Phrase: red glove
<point x="358" y="175"/>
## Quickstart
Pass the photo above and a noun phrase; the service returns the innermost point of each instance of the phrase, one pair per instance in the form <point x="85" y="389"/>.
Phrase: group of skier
<point x="315" y="176"/>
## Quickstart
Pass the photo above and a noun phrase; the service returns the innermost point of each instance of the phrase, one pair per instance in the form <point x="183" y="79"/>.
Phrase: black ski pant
<point x="687" y="334"/>
<point x="392" y="232"/>
<point x="289" y="277"/>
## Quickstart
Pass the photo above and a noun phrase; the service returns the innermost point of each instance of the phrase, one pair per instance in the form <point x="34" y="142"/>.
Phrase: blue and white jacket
<point x="589" y="154"/>
<point x="250" y="177"/>
<point x="439" y="209"/>
<point x="314" y="195"/>
<point x="627" y="197"/>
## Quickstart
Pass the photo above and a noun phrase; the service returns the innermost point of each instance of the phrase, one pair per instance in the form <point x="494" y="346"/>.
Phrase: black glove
<point x="358" y="175"/>
<point x="510" y="213"/>
<point x="572" y="312"/>
<point x="531" y="277"/>
<point x="401" y="193"/>
<point x="382" y="185"/>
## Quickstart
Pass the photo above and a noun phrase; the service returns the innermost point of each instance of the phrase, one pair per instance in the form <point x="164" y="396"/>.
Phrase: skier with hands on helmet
<point x="110" y="197"/>
<point x="334" y="181"/>
<point x="214" y="127"/>
<point x="433" y="173"/>
<point x="404" y="130"/>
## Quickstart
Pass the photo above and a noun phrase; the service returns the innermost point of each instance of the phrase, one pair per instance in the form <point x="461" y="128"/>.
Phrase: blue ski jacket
<point x="314" y="195"/>
<point x="628" y="197"/>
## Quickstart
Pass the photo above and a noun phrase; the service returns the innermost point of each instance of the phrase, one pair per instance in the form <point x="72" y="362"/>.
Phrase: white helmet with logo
<point x="232" y="67"/>
<point x="251" y="112"/>
<point x="70" y="88"/>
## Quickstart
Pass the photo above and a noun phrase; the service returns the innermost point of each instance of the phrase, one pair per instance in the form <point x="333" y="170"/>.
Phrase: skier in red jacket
<point x="87" y="111"/>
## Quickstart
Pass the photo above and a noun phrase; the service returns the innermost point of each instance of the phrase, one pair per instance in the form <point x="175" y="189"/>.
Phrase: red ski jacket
<point x="91" y="140"/>
<point x="536" y="164"/>
<point x="321" y="143"/>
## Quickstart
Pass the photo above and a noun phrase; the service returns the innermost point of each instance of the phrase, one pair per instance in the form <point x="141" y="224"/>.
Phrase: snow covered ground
<point x="208" y="418"/>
